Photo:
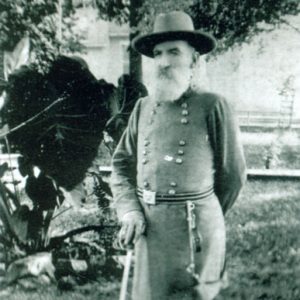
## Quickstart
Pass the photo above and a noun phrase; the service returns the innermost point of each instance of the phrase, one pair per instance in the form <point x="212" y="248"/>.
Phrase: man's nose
<point x="164" y="61"/>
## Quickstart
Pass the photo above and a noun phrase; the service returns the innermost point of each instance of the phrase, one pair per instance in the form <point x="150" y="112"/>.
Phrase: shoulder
<point x="139" y="108"/>
<point x="211" y="101"/>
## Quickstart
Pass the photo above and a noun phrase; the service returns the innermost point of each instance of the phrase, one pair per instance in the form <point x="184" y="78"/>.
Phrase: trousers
<point x="162" y="255"/>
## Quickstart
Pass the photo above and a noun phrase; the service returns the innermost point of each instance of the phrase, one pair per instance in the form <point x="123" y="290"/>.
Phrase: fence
<point x="267" y="119"/>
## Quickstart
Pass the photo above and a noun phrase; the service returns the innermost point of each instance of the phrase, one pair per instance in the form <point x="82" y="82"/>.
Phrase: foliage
<point x="237" y="21"/>
<point x="151" y="9"/>
<point x="118" y="10"/>
<point x="39" y="20"/>
<point x="70" y="131"/>
<point x="17" y="18"/>
<point x="80" y="242"/>
<point x="230" y="21"/>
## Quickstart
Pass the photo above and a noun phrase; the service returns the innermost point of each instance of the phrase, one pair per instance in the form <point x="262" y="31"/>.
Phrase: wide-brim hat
<point x="176" y="25"/>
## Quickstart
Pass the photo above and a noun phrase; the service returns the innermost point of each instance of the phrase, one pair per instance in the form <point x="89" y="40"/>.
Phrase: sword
<point x="194" y="238"/>
<point x="126" y="272"/>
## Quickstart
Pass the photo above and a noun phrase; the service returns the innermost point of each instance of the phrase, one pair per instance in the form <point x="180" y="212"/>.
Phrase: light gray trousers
<point x="163" y="254"/>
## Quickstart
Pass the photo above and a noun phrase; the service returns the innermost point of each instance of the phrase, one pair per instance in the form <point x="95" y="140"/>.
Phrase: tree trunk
<point x="135" y="64"/>
<point x="135" y="59"/>
<point x="1" y="67"/>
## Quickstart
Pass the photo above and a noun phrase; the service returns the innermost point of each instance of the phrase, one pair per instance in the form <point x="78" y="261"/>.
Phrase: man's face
<point x="174" y="61"/>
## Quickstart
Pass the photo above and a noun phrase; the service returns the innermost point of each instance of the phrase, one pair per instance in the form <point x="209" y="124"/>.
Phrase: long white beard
<point x="170" y="84"/>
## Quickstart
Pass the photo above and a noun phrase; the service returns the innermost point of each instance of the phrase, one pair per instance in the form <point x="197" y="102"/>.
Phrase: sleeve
<point x="229" y="161"/>
<point x="123" y="177"/>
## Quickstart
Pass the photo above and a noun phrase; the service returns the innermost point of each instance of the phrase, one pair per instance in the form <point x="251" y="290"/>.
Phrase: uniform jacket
<point x="187" y="146"/>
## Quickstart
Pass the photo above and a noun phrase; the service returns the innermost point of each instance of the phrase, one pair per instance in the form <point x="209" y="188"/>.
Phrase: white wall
<point x="252" y="76"/>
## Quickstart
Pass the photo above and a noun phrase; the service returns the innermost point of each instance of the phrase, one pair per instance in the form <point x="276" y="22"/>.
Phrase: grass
<point x="263" y="245"/>
<point x="263" y="251"/>
<point x="103" y="290"/>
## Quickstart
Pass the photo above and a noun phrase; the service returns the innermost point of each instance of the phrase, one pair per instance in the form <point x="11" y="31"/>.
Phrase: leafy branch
<point x="3" y="135"/>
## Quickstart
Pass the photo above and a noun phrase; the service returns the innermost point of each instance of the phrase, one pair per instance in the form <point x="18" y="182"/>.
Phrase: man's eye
<point x="156" y="54"/>
<point x="174" y="52"/>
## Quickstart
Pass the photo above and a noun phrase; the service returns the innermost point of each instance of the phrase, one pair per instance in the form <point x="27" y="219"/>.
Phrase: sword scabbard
<point x="194" y="238"/>
<point x="126" y="272"/>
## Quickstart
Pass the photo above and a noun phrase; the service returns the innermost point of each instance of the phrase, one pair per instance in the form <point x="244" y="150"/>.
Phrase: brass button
<point x="157" y="104"/>
<point x="178" y="161"/>
<point x="145" y="161"/>
<point x="184" y="121"/>
<point x="146" y="184"/>
<point x="146" y="142"/>
<point x="171" y="192"/>
<point x="173" y="184"/>
<point x="185" y="112"/>
<point x="144" y="152"/>
<point x="184" y="105"/>
<point x="182" y="143"/>
<point x="180" y="152"/>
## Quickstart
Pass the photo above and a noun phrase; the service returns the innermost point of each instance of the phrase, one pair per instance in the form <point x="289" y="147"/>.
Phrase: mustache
<point x="165" y="72"/>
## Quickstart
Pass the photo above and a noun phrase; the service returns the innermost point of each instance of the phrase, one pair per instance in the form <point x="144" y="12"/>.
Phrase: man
<point x="177" y="169"/>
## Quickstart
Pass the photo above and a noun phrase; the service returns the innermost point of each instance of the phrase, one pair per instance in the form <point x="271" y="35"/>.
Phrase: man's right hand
<point x="133" y="226"/>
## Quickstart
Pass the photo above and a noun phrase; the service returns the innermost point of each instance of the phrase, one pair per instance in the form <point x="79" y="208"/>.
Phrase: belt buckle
<point x="149" y="197"/>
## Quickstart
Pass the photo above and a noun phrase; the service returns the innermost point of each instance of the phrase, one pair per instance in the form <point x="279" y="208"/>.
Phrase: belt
<point x="178" y="197"/>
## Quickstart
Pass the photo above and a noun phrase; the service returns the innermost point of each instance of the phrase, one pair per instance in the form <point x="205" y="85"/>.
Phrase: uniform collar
<point x="183" y="98"/>
<point x="186" y="95"/>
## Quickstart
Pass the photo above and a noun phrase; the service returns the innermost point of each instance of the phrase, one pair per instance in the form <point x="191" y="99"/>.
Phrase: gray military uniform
<point x="171" y="152"/>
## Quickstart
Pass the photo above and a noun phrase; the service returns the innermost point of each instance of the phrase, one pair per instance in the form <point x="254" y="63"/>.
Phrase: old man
<point x="177" y="169"/>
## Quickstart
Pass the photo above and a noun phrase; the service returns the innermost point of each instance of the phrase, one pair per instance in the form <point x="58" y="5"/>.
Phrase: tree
<point x="234" y="21"/>
<point x="39" y="20"/>
<point x="230" y="21"/>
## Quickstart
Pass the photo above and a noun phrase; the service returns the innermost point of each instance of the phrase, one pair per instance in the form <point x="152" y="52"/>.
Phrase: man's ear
<point x="195" y="58"/>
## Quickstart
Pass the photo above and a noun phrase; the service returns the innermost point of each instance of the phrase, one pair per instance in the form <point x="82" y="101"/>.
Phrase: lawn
<point x="263" y="246"/>
<point x="263" y="251"/>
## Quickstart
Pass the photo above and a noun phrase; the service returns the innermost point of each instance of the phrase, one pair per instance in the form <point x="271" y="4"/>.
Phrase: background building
<point x="106" y="45"/>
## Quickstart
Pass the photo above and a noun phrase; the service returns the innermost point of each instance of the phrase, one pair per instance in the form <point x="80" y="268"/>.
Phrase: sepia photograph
<point x="149" y="150"/>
